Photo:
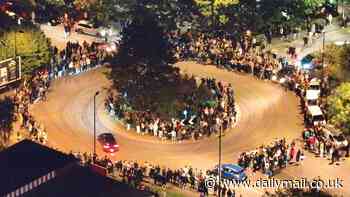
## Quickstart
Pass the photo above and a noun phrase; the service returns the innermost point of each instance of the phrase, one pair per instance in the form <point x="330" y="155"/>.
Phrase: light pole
<point x="94" y="156"/>
<point x="324" y="78"/>
<point x="219" y="168"/>
<point x="343" y="12"/>
<point x="212" y="14"/>
<point x="4" y="48"/>
<point x="323" y="43"/>
<point x="19" y="22"/>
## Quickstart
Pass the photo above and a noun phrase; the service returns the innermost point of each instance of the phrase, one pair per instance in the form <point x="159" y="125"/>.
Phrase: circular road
<point x="267" y="112"/>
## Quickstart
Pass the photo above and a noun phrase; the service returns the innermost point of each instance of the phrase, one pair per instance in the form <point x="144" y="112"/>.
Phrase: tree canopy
<point x="28" y="42"/>
<point x="339" y="107"/>
<point x="337" y="61"/>
<point x="144" y="41"/>
<point x="210" y="7"/>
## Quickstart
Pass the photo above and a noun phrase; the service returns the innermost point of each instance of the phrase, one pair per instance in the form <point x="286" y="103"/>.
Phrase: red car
<point x="108" y="142"/>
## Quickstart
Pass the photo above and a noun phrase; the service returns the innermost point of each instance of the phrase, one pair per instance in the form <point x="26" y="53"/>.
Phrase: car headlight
<point x="113" y="47"/>
<point x="282" y="80"/>
<point x="103" y="33"/>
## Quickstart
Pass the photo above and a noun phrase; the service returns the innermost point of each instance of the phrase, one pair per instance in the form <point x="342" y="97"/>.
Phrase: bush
<point x="30" y="43"/>
<point x="339" y="107"/>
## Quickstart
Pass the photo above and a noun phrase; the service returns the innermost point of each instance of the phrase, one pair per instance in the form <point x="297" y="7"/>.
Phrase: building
<point x="31" y="169"/>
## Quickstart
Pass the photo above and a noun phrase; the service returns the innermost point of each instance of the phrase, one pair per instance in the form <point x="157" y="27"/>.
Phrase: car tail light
<point x="105" y="146"/>
<point x="116" y="145"/>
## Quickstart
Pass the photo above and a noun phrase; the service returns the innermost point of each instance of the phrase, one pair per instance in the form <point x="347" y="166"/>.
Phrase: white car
<point x="315" y="85"/>
<point x="315" y="115"/>
<point x="110" y="33"/>
<point x="311" y="97"/>
<point x="86" y="27"/>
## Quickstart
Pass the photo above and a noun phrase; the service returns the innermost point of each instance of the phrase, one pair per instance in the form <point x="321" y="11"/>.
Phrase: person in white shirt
<point x="138" y="129"/>
<point x="173" y="136"/>
<point x="155" y="128"/>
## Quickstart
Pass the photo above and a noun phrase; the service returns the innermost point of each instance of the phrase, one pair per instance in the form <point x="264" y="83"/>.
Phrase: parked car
<point x="109" y="33"/>
<point x="329" y="131"/>
<point x="315" y="85"/>
<point x="315" y="115"/>
<point x="108" y="142"/>
<point x="231" y="172"/>
<point x="284" y="76"/>
<point x="87" y="27"/>
<point x="311" y="97"/>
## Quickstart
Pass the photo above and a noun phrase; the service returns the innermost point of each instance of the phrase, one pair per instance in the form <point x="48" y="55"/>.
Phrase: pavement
<point x="56" y="35"/>
<point x="267" y="112"/>
<point x="333" y="35"/>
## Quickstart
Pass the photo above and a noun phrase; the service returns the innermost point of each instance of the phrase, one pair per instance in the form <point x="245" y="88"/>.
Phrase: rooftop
<point x="27" y="161"/>
<point x="82" y="181"/>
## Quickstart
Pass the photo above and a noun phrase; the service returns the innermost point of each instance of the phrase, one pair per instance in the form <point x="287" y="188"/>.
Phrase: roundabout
<point x="267" y="112"/>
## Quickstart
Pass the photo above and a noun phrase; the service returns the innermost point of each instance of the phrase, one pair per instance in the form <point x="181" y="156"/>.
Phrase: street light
<point x="3" y="43"/>
<point x="94" y="156"/>
<point x="324" y="80"/>
<point x="323" y="43"/>
<point x="212" y="14"/>
<point x="220" y="134"/>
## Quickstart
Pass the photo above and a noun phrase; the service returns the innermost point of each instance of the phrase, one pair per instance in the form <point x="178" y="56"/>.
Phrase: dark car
<point x="108" y="142"/>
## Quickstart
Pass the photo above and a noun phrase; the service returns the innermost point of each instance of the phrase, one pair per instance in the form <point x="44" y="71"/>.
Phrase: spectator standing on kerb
<point x="66" y="25"/>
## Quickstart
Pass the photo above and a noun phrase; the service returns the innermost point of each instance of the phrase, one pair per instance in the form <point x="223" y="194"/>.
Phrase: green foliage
<point x="339" y="107"/>
<point x="206" y="6"/>
<point x="31" y="44"/>
<point x="337" y="60"/>
<point x="106" y="11"/>
<point x="210" y="7"/>
<point x="6" y="118"/>
<point x="314" y="3"/>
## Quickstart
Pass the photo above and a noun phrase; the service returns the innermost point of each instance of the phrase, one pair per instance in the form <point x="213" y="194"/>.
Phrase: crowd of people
<point x="137" y="174"/>
<point x="196" y="119"/>
<point x="225" y="51"/>
<point x="271" y="158"/>
<point x="76" y="58"/>
<point x="324" y="145"/>
<point x="31" y="91"/>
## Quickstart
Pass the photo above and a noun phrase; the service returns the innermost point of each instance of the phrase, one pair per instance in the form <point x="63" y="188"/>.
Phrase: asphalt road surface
<point x="267" y="112"/>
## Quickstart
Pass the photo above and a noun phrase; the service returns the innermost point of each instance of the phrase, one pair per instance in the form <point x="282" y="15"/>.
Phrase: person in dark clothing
<point x="230" y="193"/>
<point x="334" y="156"/>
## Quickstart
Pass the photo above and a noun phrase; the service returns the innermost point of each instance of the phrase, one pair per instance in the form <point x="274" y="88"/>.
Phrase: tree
<point x="6" y="118"/>
<point x="337" y="62"/>
<point x="313" y="4"/>
<point x="144" y="41"/>
<point x="28" y="42"/>
<point x="339" y="107"/>
<point x="210" y="7"/>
